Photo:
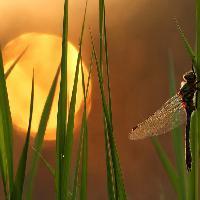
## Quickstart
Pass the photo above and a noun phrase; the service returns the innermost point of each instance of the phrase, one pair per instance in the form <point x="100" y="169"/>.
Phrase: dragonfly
<point x="175" y="112"/>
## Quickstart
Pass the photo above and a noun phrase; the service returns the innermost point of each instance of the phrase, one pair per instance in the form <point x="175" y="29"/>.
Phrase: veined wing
<point x="170" y="115"/>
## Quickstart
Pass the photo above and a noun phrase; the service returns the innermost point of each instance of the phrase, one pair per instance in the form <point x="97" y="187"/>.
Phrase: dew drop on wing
<point x="169" y="116"/>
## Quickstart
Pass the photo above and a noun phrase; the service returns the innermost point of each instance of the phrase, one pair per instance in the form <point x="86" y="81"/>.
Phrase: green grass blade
<point x="46" y="163"/>
<point x="3" y="164"/>
<point x="20" y="175"/>
<point x="166" y="164"/>
<point x="78" y="166"/>
<point x="198" y="40"/>
<point x="40" y="135"/>
<point x="3" y="175"/>
<point x="192" y="179"/>
<point x="71" y="117"/>
<point x="3" y="160"/>
<point x="101" y="17"/>
<point x="111" y="181"/>
<point x="120" y="190"/>
<point x="196" y="127"/>
<point x="80" y="146"/>
<point x="83" y="188"/>
<point x="69" y="136"/>
<point x="107" y="65"/>
<point x="15" y="62"/>
<point x="177" y="139"/>
<point x="6" y="123"/>
<point x="62" y="111"/>
<point x="185" y="41"/>
<point x="111" y="178"/>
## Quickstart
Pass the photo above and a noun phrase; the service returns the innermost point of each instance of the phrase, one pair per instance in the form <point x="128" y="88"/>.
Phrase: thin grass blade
<point x="6" y="124"/>
<point x="40" y="135"/>
<point x="80" y="146"/>
<point x="20" y="175"/>
<point x="166" y="164"/>
<point x="177" y="139"/>
<point x="120" y="190"/>
<point x="78" y="166"/>
<point x="3" y="175"/>
<point x="111" y="181"/>
<point x="46" y="163"/>
<point x="71" y="117"/>
<point x="109" y="127"/>
<point x="185" y="41"/>
<point x="110" y="173"/>
<point x="192" y="179"/>
<point x="15" y="62"/>
<point x="83" y="188"/>
<point x="107" y="64"/>
<point x="62" y="112"/>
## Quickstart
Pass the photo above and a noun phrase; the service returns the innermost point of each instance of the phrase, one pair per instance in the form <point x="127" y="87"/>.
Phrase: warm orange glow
<point x="43" y="54"/>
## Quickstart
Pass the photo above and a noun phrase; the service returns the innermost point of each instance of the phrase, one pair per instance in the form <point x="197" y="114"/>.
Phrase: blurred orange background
<point x="140" y="34"/>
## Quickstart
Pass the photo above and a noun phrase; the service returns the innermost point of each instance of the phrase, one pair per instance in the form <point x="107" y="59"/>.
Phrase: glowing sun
<point x="43" y="54"/>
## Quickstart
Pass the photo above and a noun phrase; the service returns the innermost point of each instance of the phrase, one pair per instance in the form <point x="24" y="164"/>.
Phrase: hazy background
<point x="140" y="33"/>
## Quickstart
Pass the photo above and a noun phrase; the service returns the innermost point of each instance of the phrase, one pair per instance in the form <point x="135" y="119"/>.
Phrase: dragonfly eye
<point x="189" y="77"/>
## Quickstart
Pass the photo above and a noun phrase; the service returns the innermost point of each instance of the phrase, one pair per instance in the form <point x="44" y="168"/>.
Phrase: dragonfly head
<point x="190" y="77"/>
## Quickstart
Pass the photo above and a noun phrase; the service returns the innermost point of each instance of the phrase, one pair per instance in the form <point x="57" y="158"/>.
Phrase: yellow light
<point x="43" y="54"/>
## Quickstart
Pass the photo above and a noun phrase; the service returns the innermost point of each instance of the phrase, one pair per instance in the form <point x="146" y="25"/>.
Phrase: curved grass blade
<point x="62" y="111"/>
<point x="107" y="65"/>
<point x="195" y="124"/>
<point x="78" y="166"/>
<point x="20" y="175"/>
<point x="116" y="164"/>
<point x="3" y="163"/>
<point x="6" y="132"/>
<point x="178" y="181"/>
<point x="192" y="179"/>
<point x="177" y="139"/>
<point x="166" y="164"/>
<point x="3" y="174"/>
<point x="185" y="41"/>
<point x="111" y="181"/>
<point x="71" y="116"/>
<point x="40" y="134"/>
<point x="15" y="62"/>
<point x="83" y="192"/>
<point x="46" y="163"/>
<point x="119" y="187"/>
<point x="80" y="146"/>
<point x="110" y="172"/>
<point x="120" y="190"/>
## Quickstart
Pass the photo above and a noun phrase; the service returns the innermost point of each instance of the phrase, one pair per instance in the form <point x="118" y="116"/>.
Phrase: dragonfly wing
<point x="170" y="115"/>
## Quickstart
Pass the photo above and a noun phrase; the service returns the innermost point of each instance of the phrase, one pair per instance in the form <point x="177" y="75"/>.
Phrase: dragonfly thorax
<point x="187" y="91"/>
